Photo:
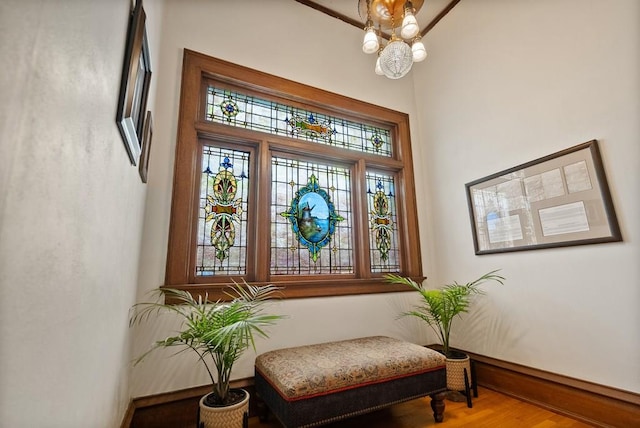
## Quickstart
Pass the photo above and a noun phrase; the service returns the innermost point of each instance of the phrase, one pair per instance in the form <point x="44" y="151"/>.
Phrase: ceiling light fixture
<point x="398" y="55"/>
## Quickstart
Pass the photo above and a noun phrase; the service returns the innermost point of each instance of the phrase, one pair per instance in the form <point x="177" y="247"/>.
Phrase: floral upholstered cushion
<point x="325" y="368"/>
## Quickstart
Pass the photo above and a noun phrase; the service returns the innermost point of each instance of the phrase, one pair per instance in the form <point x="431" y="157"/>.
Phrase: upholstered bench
<point x="317" y="384"/>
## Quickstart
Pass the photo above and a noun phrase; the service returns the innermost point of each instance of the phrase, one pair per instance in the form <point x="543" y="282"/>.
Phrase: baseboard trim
<point x="128" y="415"/>
<point x="587" y="402"/>
<point x="175" y="408"/>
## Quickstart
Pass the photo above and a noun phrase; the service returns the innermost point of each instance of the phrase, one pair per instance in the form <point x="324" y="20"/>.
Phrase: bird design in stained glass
<point x="313" y="217"/>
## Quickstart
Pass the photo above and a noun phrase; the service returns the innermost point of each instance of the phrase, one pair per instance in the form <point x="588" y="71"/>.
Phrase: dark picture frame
<point x="147" y="136"/>
<point x="559" y="200"/>
<point x="134" y="86"/>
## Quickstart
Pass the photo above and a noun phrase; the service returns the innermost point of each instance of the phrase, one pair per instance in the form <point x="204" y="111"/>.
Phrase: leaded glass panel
<point x="222" y="219"/>
<point x="311" y="224"/>
<point x="250" y="112"/>
<point x="383" y="236"/>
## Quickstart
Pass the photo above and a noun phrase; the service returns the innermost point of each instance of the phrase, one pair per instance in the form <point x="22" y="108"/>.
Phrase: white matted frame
<point x="558" y="200"/>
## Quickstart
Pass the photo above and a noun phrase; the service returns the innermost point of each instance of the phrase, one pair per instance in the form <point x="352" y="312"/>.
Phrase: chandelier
<point x="398" y="55"/>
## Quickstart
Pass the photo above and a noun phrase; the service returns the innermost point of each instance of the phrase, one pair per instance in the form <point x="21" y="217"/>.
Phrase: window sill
<point x="304" y="288"/>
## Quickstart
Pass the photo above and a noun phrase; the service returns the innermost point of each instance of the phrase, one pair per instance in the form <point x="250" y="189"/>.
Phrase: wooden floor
<point x="490" y="410"/>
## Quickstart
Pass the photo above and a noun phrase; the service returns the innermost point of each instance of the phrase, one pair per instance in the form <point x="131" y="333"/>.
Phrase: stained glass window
<point x="383" y="240"/>
<point x="222" y="219"/>
<point x="246" y="111"/>
<point x="294" y="186"/>
<point x="310" y="218"/>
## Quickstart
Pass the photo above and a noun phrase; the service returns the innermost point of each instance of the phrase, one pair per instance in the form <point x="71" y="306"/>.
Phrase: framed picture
<point x="134" y="87"/>
<point x="559" y="200"/>
<point x="147" y="135"/>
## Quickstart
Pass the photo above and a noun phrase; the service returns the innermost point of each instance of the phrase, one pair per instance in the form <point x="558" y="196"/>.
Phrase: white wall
<point x="71" y="211"/>
<point x="289" y="40"/>
<point x="507" y="82"/>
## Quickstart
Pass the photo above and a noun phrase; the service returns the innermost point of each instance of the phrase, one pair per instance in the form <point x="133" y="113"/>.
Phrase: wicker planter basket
<point x="455" y="372"/>
<point x="224" y="417"/>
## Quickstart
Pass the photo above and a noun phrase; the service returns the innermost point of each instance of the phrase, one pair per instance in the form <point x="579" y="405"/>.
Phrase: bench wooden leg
<point x="437" y="404"/>
<point x="263" y="410"/>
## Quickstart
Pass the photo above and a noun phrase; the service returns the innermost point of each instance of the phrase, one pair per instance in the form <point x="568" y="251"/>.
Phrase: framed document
<point x="559" y="200"/>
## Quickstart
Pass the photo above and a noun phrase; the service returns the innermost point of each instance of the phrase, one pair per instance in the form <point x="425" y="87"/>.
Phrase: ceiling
<point x="347" y="11"/>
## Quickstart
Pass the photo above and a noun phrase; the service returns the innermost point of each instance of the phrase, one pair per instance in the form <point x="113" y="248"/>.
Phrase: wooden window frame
<point x="197" y="70"/>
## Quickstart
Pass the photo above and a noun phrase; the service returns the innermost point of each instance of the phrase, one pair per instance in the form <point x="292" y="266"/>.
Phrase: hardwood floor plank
<point x="490" y="409"/>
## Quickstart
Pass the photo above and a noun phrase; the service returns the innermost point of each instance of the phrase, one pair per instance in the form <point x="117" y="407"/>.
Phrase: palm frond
<point x="216" y="331"/>
<point x="440" y="307"/>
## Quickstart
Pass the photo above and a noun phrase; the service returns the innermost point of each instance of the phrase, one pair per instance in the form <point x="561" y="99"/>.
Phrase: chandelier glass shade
<point x="410" y="27"/>
<point x="398" y="55"/>
<point x="418" y="50"/>
<point x="370" y="43"/>
<point x="396" y="58"/>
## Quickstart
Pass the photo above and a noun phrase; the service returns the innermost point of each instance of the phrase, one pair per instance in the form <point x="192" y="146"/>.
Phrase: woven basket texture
<point x="224" y="417"/>
<point x="455" y="373"/>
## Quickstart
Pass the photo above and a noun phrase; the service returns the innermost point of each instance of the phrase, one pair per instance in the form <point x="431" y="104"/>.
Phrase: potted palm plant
<point x="438" y="308"/>
<point x="219" y="333"/>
